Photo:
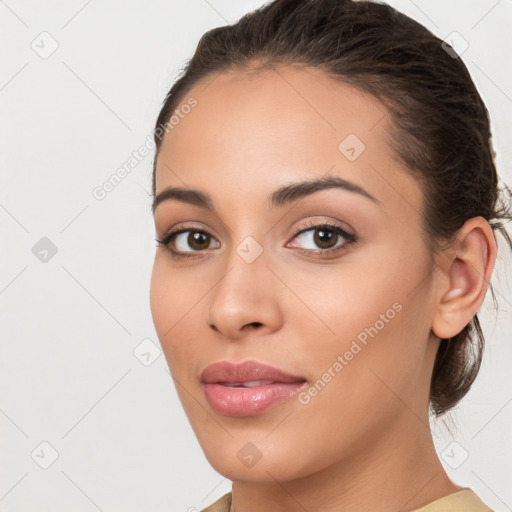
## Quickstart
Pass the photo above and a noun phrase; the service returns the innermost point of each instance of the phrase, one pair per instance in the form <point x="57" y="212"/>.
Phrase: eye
<point x="328" y="238"/>
<point x="323" y="238"/>
<point x="179" y="241"/>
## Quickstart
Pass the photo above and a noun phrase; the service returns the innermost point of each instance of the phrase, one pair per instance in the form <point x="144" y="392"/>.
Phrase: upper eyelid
<point x="318" y="224"/>
<point x="305" y="227"/>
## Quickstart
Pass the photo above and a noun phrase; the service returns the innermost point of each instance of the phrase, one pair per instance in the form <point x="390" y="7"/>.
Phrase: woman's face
<point x="346" y="317"/>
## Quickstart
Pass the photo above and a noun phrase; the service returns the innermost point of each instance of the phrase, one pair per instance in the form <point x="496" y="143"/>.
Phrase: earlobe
<point x="467" y="268"/>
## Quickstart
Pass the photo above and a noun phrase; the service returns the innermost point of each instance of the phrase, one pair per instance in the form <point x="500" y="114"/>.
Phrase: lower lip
<point x="248" y="401"/>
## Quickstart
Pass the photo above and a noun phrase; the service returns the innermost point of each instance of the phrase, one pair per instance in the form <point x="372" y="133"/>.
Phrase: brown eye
<point x="198" y="240"/>
<point x="323" y="239"/>
<point x="187" y="241"/>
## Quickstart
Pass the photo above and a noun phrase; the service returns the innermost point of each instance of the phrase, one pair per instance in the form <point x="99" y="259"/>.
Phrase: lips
<point x="248" y="388"/>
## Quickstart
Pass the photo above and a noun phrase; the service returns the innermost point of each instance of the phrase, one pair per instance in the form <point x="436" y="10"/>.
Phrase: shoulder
<point x="465" y="499"/>
<point x="221" y="505"/>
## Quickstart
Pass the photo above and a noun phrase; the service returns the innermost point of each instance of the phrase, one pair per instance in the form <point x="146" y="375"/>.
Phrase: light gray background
<point x="70" y="325"/>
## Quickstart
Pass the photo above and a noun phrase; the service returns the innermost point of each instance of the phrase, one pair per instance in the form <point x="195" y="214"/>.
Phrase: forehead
<point x="278" y="106"/>
<point x="260" y="130"/>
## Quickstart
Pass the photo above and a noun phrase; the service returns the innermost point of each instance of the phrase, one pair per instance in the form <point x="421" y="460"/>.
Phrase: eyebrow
<point x="280" y="197"/>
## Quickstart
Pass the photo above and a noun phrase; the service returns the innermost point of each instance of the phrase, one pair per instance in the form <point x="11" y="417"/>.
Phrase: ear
<point x="463" y="274"/>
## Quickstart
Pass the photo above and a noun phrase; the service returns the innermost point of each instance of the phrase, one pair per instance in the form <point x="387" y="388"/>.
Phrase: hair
<point x="439" y="127"/>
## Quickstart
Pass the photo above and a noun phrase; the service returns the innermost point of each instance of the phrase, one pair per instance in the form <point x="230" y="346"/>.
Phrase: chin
<point x="242" y="460"/>
<point x="261" y="472"/>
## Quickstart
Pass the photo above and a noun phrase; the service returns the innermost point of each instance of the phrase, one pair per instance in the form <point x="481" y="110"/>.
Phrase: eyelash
<point x="166" y="239"/>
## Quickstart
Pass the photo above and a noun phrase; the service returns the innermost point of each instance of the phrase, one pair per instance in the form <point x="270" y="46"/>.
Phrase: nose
<point x="245" y="299"/>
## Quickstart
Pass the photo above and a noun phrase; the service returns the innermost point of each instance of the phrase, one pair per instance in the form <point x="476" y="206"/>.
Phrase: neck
<point x="400" y="471"/>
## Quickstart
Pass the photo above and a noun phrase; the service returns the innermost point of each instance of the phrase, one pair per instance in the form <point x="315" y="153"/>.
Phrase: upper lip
<point x="225" y="371"/>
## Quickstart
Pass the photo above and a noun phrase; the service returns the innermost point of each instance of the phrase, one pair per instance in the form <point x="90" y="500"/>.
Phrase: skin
<point x="363" y="442"/>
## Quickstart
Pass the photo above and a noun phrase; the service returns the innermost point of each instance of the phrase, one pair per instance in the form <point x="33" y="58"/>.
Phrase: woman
<point x="325" y="201"/>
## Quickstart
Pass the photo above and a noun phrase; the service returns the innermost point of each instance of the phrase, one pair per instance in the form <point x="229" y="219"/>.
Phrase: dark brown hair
<point x="440" y="126"/>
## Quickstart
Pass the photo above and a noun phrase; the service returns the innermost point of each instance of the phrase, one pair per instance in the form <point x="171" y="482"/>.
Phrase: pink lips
<point x="248" y="388"/>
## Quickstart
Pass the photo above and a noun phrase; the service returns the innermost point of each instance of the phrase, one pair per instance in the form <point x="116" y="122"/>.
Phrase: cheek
<point x="341" y="302"/>
<point x="373" y="314"/>
<point x="361" y="377"/>
<point x="171" y="301"/>
<point x="161" y="299"/>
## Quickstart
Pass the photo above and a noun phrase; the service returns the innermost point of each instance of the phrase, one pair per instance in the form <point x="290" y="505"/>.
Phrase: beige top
<point x="465" y="500"/>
